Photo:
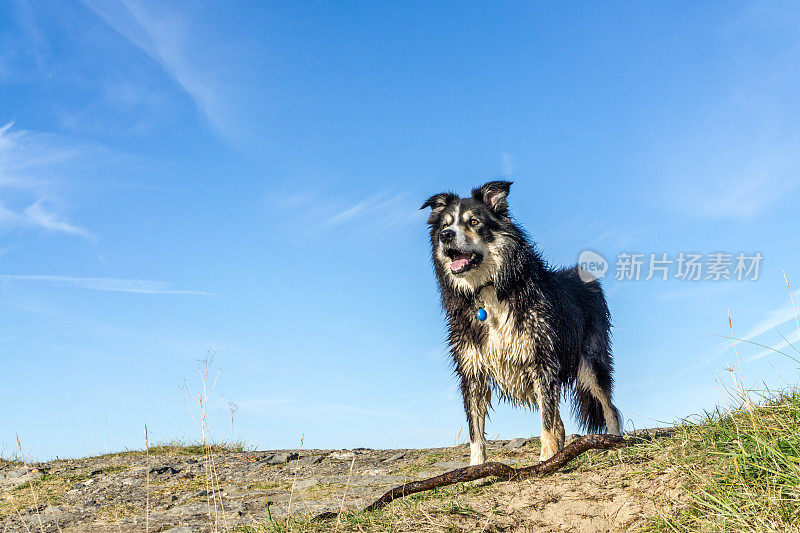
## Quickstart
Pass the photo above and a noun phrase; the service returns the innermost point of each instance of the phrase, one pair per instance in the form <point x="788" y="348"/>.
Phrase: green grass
<point x="271" y="485"/>
<point x="196" y="449"/>
<point x="44" y="490"/>
<point x="112" y="469"/>
<point x="741" y="469"/>
<point x="404" y="515"/>
<point x="179" y="447"/>
<point x="733" y="470"/>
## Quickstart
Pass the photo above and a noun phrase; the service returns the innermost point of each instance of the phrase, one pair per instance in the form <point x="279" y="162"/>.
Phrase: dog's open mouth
<point x="461" y="262"/>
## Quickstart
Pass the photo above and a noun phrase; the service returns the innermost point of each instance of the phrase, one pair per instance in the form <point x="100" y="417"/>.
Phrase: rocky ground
<point x="183" y="490"/>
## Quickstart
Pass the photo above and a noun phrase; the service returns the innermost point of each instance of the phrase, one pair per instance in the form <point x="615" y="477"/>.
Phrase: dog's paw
<point x="550" y="447"/>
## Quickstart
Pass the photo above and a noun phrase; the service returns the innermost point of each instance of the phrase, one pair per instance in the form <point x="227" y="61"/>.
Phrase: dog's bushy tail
<point x="588" y="411"/>
<point x="596" y="368"/>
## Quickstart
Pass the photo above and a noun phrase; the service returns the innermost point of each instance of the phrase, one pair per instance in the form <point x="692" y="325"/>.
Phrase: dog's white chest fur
<point x="505" y="352"/>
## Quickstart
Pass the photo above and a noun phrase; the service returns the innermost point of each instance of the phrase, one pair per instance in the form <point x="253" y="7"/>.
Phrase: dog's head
<point x="469" y="236"/>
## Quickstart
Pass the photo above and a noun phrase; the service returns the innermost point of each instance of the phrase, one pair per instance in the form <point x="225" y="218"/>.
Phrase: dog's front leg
<point x="477" y="396"/>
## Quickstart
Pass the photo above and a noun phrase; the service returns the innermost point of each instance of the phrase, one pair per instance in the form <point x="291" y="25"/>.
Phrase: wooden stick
<point x="503" y="471"/>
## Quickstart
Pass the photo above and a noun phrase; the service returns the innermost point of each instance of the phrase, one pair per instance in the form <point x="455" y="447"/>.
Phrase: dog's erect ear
<point x="438" y="202"/>
<point x="494" y="194"/>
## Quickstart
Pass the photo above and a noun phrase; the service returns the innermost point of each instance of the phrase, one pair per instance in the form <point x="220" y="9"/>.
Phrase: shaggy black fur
<point x="568" y="318"/>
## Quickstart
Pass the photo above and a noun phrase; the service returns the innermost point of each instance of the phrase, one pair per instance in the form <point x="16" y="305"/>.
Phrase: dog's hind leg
<point x="596" y="379"/>
<point x="552" y="439"/>
<point x="477" y="396"/>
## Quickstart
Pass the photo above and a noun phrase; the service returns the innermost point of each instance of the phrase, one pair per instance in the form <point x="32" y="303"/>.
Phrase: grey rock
<point x="515" y="444"/>
<point x="161" y="470"/>
<point x="342" y="455"/>
<point x="189" y="509"/>
<point x="235" y="507"/>
<point x="383" y="480"/>
<point x="310" y="459"/>
<point x="32" y="519"/>
<point x="17" y="472"/>
<point x="57" y="514"/>
<point x="281" y="458"/>
<point x="303" y="484"/>
<point x="451" y="465"/>
<point x="395" y="457"/>
<point x="181" y="529"/>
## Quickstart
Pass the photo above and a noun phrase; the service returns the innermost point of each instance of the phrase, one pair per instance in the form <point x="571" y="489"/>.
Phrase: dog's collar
<point x="480" y="309"/>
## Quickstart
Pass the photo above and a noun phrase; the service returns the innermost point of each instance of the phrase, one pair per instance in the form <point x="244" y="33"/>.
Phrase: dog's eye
<point x="474" y="222"/>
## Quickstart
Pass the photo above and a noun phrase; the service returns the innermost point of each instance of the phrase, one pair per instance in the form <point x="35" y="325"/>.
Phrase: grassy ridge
<point x="739" y="471"/>
<point x="742" y="468"/>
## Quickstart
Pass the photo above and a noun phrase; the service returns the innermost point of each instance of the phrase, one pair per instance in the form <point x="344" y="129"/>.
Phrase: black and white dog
<point x="515" y="325"/>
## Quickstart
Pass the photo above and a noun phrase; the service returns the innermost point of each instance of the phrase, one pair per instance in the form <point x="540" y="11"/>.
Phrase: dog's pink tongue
<point x="459" y="262"/>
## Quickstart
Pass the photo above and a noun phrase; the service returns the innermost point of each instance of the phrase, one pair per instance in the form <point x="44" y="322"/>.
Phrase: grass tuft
<point x="741" y="468"/>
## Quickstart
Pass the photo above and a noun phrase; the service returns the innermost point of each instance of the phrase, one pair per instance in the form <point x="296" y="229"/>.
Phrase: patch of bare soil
<point x="585" y="500"/>
<point x="258" y="490"/>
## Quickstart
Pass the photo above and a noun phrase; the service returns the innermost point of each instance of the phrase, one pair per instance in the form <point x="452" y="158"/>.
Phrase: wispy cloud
<point x="164" y="34"/>
<point x="771" y="322"/>
<point x="140" y="286"/>
<point x="27" y="162"/>
<point x="325" y="212"/>
<point x="789" y="341"/>
<point x="507" y="163"/>
<point x="350" y="213"/>
<point x="378" y="209"/>
<point x="773" y="319"/>
<point x="38" y="214"/>
<point x="23" y="155"/>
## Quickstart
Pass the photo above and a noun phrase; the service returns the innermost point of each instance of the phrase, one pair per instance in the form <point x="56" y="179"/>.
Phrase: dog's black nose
<point x="447" y="235"/>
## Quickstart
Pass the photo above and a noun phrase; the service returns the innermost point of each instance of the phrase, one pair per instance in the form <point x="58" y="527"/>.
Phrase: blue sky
<point x="246" y="176"/>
